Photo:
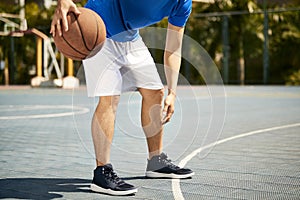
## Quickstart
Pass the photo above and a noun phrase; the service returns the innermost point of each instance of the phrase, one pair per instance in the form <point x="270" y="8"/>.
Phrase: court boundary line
<point x="176" y="190"/>
<point x="80" y="110"/>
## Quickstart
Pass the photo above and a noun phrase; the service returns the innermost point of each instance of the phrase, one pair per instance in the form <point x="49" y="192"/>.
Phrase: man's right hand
<point x="59" y="20"/>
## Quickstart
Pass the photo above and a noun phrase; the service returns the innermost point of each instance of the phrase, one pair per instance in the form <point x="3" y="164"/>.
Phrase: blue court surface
<point x="242" y="142"/>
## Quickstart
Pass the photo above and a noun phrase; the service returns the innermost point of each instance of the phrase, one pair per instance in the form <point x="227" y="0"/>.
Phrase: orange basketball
<point x="86" y="32"/>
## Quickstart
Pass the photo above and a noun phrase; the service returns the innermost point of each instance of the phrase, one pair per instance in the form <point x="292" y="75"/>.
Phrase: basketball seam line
<point x="71" y="46"/>
<point x="81" y="33"/>
<point x="95" y="44"/>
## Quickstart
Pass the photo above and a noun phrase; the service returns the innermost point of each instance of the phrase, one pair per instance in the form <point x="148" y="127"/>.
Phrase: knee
<point x="108" y="103"/>
<point x="153" y="95"/>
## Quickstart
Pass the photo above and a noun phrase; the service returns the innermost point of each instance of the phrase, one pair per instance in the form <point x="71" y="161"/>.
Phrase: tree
<point x="246" y="37"/>
<point x="284" y="45"/>
<point x="24" y="52"/>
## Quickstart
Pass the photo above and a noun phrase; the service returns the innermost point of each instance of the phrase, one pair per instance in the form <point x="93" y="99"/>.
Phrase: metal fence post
<point x="266" y="46"/>
<point x="225" y="38"/>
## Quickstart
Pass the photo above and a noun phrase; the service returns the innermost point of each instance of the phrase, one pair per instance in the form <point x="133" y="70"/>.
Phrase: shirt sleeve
<point x="181" y="13"/>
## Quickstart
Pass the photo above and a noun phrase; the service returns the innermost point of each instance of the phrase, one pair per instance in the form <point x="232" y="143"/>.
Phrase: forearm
<point x="172" y="62"/>
<point x="172" y="56"/>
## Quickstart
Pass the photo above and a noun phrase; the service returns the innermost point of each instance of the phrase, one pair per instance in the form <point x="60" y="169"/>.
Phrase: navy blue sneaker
<point x="107" y="181"/>
<point x="161" y="167"/>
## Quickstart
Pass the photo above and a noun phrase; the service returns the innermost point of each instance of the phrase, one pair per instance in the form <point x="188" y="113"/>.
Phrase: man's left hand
<point x="169" y="107"/>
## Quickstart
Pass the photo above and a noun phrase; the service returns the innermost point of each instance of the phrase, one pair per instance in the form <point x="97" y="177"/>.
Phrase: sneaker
<point x="107" y="181"/>
<point x="161" y="167"/>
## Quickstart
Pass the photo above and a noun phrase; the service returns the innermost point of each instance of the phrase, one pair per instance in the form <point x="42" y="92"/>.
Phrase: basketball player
<point x="125" y="64"/>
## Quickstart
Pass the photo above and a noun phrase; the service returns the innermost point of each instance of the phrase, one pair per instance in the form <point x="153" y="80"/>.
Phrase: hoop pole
<point x="70" y="67"/>
<point x="39" y="44"/>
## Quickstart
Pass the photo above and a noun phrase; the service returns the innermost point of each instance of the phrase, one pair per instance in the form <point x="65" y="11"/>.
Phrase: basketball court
<point x="242" y="143"/>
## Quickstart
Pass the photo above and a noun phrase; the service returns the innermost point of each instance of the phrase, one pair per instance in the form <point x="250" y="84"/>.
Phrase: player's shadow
<point x="134" y="178"/>
<point x="41" y="188"/>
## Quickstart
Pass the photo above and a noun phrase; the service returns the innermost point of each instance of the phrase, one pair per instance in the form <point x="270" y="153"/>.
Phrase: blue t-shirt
<point x="123" y="18"/>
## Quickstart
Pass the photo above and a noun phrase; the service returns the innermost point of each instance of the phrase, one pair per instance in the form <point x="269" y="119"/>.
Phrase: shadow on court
<point x="41" y="188"/>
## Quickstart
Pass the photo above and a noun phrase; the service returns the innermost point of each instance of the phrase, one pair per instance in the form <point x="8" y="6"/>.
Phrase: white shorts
<point x="120" y="67"/>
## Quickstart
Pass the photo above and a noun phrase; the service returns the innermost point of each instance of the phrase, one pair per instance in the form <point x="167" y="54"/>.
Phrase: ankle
<point x="100" y="164"/>
<point x="154" y="153"/>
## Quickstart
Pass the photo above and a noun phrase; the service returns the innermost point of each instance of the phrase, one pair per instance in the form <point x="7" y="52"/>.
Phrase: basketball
<point x="86" y="32"/>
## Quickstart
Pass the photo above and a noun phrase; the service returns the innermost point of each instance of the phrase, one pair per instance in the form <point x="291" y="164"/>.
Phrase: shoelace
<point x="168" y="162"/>
<point x="110" y="174"/>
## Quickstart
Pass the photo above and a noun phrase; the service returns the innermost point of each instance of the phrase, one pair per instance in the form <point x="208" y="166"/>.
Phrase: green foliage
<point x="39" y="18"/>
<point x="284" y="44"/>
<point x="246" y="37"/>
<point x="25" y="47"/>
<point x="294" y="78"/>
<point x="9" y="8"/>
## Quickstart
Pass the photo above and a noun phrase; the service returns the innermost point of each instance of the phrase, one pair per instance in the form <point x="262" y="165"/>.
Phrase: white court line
<point x="176" y="182"/>
<point x="80" y="110"/>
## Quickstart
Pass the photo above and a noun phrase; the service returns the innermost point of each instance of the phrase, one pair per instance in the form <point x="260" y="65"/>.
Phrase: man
<point x="125" y="64"/>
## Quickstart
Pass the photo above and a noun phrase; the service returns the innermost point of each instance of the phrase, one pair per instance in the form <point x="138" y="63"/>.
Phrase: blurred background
<point x="251" y="42"/>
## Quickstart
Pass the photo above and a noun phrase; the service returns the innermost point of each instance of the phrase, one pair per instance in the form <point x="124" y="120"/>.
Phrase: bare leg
<point x="103" y="123"/>
<point x="151" y="119"/>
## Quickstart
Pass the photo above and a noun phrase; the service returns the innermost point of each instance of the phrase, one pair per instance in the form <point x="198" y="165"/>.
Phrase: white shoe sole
<point x="96" y="188"/>
<point x="152" y="174"/>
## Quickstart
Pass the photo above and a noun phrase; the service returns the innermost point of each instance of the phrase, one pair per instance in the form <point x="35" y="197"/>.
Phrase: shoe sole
<point x="152" y="174"/>
<point x="99" y="189"/>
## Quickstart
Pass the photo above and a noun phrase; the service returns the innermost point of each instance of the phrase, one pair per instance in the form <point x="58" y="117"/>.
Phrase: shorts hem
<point x="99" y="94"/>
<point x="157" y="87"/>
<point x="104" y="94"/>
